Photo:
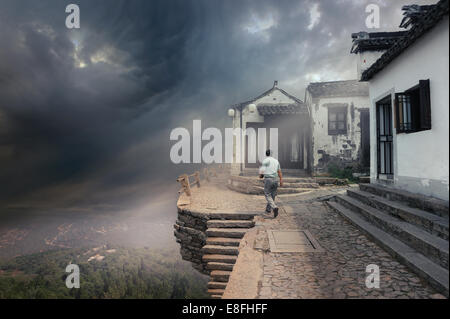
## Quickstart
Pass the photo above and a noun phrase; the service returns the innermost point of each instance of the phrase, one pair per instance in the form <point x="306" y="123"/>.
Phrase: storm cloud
<point x="90" y="110"/>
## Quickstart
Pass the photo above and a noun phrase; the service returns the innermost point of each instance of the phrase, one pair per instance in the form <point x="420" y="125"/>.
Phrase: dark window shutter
<point x="397" y="118"/>
<point x="425" y="105"/>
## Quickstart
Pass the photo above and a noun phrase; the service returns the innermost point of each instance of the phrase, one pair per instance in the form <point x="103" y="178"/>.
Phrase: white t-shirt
<point x="270" y="167"/>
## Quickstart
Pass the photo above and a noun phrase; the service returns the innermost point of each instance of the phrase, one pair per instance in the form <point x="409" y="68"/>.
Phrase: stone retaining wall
<point x="190" y="231"/>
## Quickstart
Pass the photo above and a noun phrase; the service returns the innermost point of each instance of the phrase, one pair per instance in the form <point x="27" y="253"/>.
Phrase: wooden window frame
<point x="337" y="110"/>
<point x="417" y="110"/>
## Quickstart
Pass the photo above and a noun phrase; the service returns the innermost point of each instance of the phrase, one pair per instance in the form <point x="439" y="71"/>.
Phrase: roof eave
<point x="436" y="14"/>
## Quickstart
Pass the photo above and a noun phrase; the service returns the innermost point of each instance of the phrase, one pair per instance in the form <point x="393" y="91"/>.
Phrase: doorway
<point x="384" y="138"/>
<point x="291" y="140"/>
<point x="364" y="124"/>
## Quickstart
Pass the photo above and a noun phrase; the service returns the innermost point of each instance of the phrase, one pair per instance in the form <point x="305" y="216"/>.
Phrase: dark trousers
<point x="270" y="192"/>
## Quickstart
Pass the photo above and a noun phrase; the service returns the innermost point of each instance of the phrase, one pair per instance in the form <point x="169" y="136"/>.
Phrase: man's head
<point x="268" y="153"/>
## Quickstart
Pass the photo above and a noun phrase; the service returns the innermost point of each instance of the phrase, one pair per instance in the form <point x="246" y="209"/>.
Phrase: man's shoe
<point x="275" y="212"/>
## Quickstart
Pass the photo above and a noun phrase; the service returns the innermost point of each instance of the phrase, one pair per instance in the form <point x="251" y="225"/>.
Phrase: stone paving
<point x="339" y="271"/>
<point x="212" y="197"/>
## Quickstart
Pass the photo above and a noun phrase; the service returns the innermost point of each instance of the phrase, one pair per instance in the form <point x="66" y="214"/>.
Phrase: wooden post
<point x="184" y="181"/>
<point x="197" y="178"/>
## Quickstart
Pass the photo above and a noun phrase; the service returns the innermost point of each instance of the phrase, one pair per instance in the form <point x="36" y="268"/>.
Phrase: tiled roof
<point x="338" y="89"/>
<point x="375" y="41"/>
<point x="413" y="14"/>
<point x="281" y="109"/>
<point x="426" y="23"/>
<point x="298" y="107"/>
<point x="275" y="87"/>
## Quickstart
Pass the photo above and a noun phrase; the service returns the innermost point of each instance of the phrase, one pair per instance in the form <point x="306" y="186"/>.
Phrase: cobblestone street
<point x="339" y="271"/>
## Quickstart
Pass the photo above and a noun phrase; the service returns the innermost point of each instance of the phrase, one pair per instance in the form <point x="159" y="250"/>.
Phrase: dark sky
<point x="88" y="112"/>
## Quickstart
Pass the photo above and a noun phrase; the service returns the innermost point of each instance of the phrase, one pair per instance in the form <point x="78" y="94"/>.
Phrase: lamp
<point x="252" y="108"/>
<point x="231" y="112"/>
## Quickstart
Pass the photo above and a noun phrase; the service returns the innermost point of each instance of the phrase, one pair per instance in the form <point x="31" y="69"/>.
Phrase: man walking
<point x="271" y="171"/>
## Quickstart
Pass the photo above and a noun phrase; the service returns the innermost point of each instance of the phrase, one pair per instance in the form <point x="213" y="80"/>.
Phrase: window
<point x="413" y="109"/>
<point x="337" y="120"/>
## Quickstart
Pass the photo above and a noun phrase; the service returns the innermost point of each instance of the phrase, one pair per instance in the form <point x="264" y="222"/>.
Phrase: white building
<point x="340" y="124"/>
<point x="409" y="111"/>
<point x="274" y="108"/>
<point x="332" y="126"/>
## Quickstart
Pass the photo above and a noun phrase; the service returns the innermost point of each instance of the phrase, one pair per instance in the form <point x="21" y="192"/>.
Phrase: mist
<point x="86" y="114"/>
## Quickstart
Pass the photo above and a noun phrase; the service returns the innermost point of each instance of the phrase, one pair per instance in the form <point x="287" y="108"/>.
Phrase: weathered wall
<point x="421" y="159"/>
<point x="341" y="149"/>
<point x="190" y="231"/>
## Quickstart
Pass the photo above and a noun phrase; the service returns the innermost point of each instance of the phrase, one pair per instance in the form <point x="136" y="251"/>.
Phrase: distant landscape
<point x="123" y="250"/>
<point x="105" y="272"/>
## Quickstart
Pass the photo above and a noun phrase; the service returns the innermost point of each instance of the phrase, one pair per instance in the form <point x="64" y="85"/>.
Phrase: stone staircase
<point x="255" y="186"/>
<point x="286" y="171"/>
<point x="413" y="228"/>
<point x="222" y="248"/>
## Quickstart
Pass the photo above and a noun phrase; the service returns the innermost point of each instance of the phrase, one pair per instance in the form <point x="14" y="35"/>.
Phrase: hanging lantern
<point x="252" y="108"/>
<point x="231" y="112"/>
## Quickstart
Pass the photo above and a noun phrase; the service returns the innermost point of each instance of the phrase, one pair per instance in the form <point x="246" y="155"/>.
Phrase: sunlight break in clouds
<point x="260" y="25"/>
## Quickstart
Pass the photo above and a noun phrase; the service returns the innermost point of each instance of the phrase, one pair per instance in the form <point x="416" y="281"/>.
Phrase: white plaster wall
<point x="275" y="97"/>
<point x="333" y="144"/>
<point x="421" y="156"/>
<point x="366" y="59"/>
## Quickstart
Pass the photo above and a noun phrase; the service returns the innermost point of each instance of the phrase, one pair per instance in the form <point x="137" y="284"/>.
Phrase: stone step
<point x="290" y="173"/>
<point x="229" y="259"/>
<point x="230" y="223"/>
<point x="220" y="275"/>
<point x="299" y="179"/>
<point x="322" y="180"/>
<point x="220" y="250"/>
<point x="436" y="275"/>
<point x="219" y="266"/>
<point x="217" y="285"/>
<point x="429" y="245"/>
<point x="226" y="232"/>
<point x="432" y="205"/>
<point x="233" y="215"/>
<point x="299" y="185"/>
<point x="432" y="223"/>
<point x="364" y="179"/>
<point x="223" y="241"/>
<point x="216" y="292"/>
<point x="281" y="190"/>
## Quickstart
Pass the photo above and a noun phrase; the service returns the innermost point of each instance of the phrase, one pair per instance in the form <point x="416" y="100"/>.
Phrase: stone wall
<point x="190" y="231"/>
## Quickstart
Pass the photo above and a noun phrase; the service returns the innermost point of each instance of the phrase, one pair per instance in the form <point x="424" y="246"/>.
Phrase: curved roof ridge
<point x="240" y="105"/>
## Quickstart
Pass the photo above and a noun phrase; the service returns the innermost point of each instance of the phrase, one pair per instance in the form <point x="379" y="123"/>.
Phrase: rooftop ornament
<point x="252" y="108"/>
<point x="413" y="14"/>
